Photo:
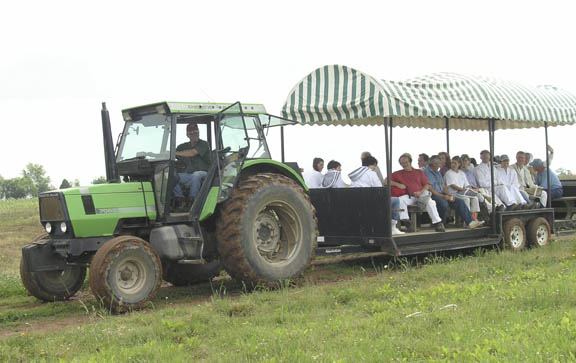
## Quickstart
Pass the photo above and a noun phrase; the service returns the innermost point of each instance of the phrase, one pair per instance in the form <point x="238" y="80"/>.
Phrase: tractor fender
<point x="252" y="167"/>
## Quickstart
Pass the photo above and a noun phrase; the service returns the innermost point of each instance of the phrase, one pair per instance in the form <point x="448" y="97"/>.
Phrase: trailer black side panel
<point x="352" y="212"/>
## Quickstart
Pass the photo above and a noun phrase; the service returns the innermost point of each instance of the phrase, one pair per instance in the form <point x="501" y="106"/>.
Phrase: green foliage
<point x="99" y="180"/>
<point x="65" y="184"/>
<point x="16" y="188"/>
<point x="37" y="174"/>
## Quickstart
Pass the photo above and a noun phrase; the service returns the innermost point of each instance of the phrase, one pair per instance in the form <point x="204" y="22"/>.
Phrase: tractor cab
<point x="146" y="150"/>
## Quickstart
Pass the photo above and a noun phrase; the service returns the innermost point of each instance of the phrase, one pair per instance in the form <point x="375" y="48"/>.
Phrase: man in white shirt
<point x="313" y="178"/>
<point x="502" y="197"/>
<point x="507" y="176"/>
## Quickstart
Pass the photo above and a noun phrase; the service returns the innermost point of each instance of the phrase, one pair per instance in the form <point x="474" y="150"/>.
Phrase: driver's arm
<point x="187" y="153"/>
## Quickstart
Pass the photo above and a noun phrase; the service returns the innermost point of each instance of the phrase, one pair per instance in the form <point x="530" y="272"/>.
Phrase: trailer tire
<point x="539" y="232"/>
<point x="267" y="230"/>
<point x="514" y="234"/>
<point x="183" y="275"/>
<point x="52" y="285"/>
<point x="125" y="273"/>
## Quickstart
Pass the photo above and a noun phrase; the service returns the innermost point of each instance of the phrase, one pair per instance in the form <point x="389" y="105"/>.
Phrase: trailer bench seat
<point x="568" y="207"/>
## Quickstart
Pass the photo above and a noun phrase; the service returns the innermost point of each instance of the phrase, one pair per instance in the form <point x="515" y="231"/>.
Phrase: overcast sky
<point x="61" y="59"/>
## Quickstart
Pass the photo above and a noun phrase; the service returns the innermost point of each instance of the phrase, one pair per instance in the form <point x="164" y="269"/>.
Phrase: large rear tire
<point x="514" y="235"/>
<point x="267" y="230"/>
<point x="52" y="285"/>
<point x="125" y="273"/>
<point x="183" y="275"/>
<point x="539" y="232"/>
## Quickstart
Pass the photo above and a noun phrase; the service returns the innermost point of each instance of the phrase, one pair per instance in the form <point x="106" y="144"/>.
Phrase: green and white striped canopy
<point x="339" y="95"/>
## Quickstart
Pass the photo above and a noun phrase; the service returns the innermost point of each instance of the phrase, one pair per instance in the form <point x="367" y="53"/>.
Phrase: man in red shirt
<point x="417" y="188"/>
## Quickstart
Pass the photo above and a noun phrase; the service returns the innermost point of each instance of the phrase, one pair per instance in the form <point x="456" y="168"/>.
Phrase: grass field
<point x="485" y="305"/>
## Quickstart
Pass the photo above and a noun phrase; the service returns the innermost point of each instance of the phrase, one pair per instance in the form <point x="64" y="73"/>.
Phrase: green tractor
<point x="252" y="214"/>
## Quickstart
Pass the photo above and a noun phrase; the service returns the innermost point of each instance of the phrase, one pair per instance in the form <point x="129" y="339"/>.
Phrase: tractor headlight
<point x="63" y="227"/>
<point x="48" y="227"/>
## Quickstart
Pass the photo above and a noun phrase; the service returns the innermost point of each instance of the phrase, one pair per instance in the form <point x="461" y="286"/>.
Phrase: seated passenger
<point x="507" y="176"/>
<point x="502" y="198"/>
<point x="556" y="190"/>
<point x="313" y="178"/>
<point x="445" y="159"/>
<point x="528" y="189"/>
<point x="417" y="187"/>
<point x="365" y="176"/>
<point x="460" y="188"/>
<point x="443" y="198"/>
<point x="378" y="172"/>
<point x="332" y="178"/>
<point x="195" y="155"/>
<point x="529" y="158"/>
<point x="466" y="168"/>
<point x="423" y="160"/>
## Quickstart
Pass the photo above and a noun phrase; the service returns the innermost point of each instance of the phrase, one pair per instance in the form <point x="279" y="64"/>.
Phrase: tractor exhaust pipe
<point x="109" y="157"/>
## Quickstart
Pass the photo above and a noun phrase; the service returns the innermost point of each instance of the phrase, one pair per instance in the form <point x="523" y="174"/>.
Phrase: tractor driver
<point x="195" y="155"/>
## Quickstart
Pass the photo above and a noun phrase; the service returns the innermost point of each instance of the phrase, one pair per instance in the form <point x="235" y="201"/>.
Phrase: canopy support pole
<point x="282" y="142"/>
<point x="491" y="127"/>
<point x="389" y="150"/>
<point x="388" y="145"/>
<point x="549" y="189"/>
<point x="448" y="136"/>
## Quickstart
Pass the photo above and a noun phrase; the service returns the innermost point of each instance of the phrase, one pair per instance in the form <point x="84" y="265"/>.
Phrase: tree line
<point x="33" y="180"/>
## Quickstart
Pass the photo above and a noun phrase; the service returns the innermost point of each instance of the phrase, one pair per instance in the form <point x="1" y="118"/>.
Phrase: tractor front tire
<point x="52" y="285"/>
<point x="267" y="230"/>
<point x="125" y="273"/>
<point x="183" y="275"/>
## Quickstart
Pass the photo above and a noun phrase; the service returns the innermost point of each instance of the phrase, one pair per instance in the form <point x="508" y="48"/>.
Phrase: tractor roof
<point x="195" y="108"/>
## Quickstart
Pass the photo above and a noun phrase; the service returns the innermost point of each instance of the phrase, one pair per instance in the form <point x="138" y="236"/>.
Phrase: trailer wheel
<point x="267" y="230"/>
<point x="52" y="285"/>
<point x="183" y="275"/>
<point x="514" y="234"/>
<point x="539" y="232"/>
<point x="125" y="273"/>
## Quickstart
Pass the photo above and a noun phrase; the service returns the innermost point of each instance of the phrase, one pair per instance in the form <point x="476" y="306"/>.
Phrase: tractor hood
<point x="97" y="210"/>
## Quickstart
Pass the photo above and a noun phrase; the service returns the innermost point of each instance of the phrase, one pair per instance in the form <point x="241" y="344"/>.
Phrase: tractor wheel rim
<point x="130" y="276"/>
<point x="516" y="236"/>
<point x="541" y="235"/>
<point x="278" y="232"/>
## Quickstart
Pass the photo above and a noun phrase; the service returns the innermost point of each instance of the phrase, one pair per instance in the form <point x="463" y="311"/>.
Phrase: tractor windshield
<point x="146" y="138"/>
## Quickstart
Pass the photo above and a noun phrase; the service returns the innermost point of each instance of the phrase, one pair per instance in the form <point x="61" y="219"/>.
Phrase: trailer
<point x="352" y="220"/>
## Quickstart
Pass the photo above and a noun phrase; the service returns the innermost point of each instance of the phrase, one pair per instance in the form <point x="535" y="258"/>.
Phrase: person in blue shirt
<point x="542" y="181"/>
<point x="443" y="198"/>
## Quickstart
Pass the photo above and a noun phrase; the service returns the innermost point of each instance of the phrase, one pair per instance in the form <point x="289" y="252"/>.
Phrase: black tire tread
<point x="228" y="226"/>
